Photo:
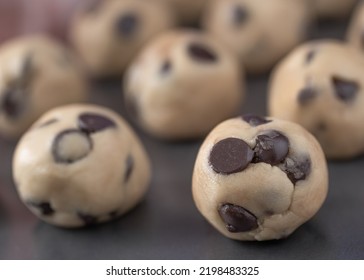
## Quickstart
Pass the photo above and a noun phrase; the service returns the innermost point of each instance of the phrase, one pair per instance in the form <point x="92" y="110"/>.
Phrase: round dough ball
<point x="332" y="8"/>
<point x="108" y="34"/>
<point x="259" y="178"/>
<point x="36" y="74"/>
<point x="259" y="32"/>
<point x="80" y="165"/>
<point x="355" y="33"/>
<point x="182" y="85"/>
<point x="320" y="85"/>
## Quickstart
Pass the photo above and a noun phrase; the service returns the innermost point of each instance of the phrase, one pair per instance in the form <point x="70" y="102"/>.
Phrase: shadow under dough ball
<point x="182" y="85"/>
<point x="80" y="165"/>
<point x="259" y="178"/>
<point x="36" y="74"/>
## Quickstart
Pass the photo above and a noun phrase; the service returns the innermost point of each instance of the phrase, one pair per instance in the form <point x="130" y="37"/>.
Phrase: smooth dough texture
<point x="109" y="34"/>
<point x="320" y="85"/>
<point x="36" y="74"/>
<point x="259" y="178"/>
<point x="355" y="32"/>
<point x="80" y="165"/>
<point x="182" y="85"/>
<point x="332" y="8"/>
<point x="259" y="32"/>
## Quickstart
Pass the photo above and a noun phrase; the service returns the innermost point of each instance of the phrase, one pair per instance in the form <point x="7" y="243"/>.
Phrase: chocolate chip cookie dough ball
<point x="259" y="178"/>
<point x="108" y="34"/>
<point x="80" y="165"/>
<point x="36" y="74"/>
<point x="332" y="8"/>
<point x="355" y="33"/>
<point x="259" y="32"/>
<point x="320" y="86"/>
<point x="182" y="85"/>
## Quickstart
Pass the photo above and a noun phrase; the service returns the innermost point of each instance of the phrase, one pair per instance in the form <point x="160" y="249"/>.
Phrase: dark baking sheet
<point x="166" y="225"/>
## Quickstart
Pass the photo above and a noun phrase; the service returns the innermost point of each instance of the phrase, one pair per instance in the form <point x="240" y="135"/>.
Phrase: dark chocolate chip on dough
<point x="92" y="122"/>
<point x="27" y="71"/>
<point x="306" y="95"/>
<point x="166" y="67"/>
<point x="310" y="56"/>
<point x="12" y="102"/>
<point x="344" y="89"/>
<point x="44" y="207"/>
<point x="230" y="155"/>
<point x="47" y="123"/>
<point x="271" y="147"/>
<point x="70" y="146"/>
<point x="240" y="15"/>
<point x="297" y="169"/>
<point x="237" y="218"/>
<point x="129" y="168"/>
<point x="254" y="120"/>
<point x="201" y="53"/>
<point x="87" y="219"/>
<point x="127" y="25"/>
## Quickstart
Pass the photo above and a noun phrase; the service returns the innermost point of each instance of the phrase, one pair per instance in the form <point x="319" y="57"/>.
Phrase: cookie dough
<point x="36" y="74"/>
<point x="182" y="85"/>
<point x="332" y="8"/>
<point x="259" y="178"/>
<point x="259" y="32"/>
<point x="355" y="33"/>
<point x="109" y="34"/>
<point x="80" y="165"/>
<point x="320" y="86"/>
<point x="188" y="11"/>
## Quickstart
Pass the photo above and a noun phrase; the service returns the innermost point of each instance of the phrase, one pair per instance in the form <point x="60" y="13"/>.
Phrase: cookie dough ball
<point x="188" y="11"/>
<point x="36" y="74"/>
<point x="320" y="85"/>
<point x="259" y="178"/>
<point x="80" y="165"/>
<point x="355" y="33"/>
<point x="259" y="32"/>
<point x="332" y="8"/>
<point x="108" y="34"/>
<point x="182" y="85"/>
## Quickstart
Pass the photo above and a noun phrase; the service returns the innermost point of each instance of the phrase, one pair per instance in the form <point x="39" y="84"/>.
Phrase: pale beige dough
<point x="278" y="204"/>
<point x="320" y="85"/>
<point x="109" y="34"/>
<point x="36" y="74"/>
<point x="355" y="32"/>
<point x="80" y="165"/>
<point x="176" y="95"/>
<point x="258" y="32"/>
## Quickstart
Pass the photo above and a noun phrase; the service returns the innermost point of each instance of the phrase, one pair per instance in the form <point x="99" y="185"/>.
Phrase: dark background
<point x="166" y="225"/>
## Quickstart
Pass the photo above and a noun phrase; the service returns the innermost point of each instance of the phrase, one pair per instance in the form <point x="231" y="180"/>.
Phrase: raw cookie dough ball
<point x="36" y="74"/>
<point x="80" y="165"/>
<point x="182" y="85"/>
<point x="320" y="85"/>
<point x="108" y="34"/>
<point x="259" y="178"/>
<point x="259" y="32"/>
<point x="332" y="8"/>
<point x="355" y="33"/>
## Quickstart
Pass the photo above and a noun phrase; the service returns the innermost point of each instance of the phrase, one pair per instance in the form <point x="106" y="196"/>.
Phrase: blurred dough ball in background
<point x="355" y="33"/>
<point x="108" y="34"/>
<point x="36" y="74"/>
<point x="332" y="9"/>
<point x="259" y="32"/>
<point x="182" y="85"/>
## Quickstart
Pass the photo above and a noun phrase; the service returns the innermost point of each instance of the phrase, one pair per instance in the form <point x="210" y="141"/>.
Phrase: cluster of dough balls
<point x="182" y="85"/>
<point x="259" y="178"/>
<point x="80" y="165"/>
<point x="36" y="74"/>
<point x="320" y="85"/>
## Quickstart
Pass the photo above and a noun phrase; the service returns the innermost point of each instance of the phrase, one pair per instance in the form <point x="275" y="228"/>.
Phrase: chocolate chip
<point x="271" y="147"/>
<point x="70" y="146"/>
<point x="48" y="122"/>
<point x="44" y="207"/>
<point x="126" y="25"/>
<point x="345" y="90"/>
<point x="92" y="122"/>
<point x="26" y="72"/>
<point x="166" y="67"/>
<point x="240" y="15"/>
<point x="297" y="170"/>
<point x="254" y="120"/>
<point x="237" y="218"/>
<point x="12" y="103"/>
<point x="87" y="219"/>
<point x="310" y="56"/>
<point x="129" y="168"/>
<point x="306" y="95"/>
<point x="201" y="53"/>
<point x="230" y="155"/>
